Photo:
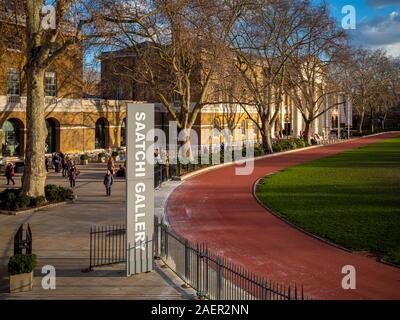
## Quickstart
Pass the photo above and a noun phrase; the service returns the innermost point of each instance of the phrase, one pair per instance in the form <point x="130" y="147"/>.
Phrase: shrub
<point x="258" y="150"/>
<point x="22" y="263"/>
<point x="9" y="201"/>
<point x="393" y="256"/>
<point x="102" y="155"/>
<point x="37" y="202"/>
<point x="13" y="199"/>
<point x="52" y="192"/>
<point x="85" y="157"/>
<point x="22" y="202"/>
<point x="66" y="193"/>
<point x="285" y="145"/>
<point x="57" y="193"/>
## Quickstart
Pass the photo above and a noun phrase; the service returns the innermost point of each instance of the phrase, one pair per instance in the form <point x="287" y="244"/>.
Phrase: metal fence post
<point x="219" y="278"/>
<point x="187" y="260"/>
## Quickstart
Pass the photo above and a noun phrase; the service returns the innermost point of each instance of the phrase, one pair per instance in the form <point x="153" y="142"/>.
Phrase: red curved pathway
<point x="218" y="207"/>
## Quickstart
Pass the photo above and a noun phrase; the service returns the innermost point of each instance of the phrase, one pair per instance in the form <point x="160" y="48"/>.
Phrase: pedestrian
<point x="64" y="160"/>
<point x="73" y="173"/>
<point x="108" y="182"/>
<point x="10" y="172"/>
<point x="111" y="166"/>
<point x="56" y="161"/>
<point x="46" y="163"/>
<point x="121" y="172"/>
<point x="70" y="163"/>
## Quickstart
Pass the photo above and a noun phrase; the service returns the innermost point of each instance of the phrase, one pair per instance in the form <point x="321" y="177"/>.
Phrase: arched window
<point x="51" y="139"/>
<point x="123" y="133"/>
<point x="100" y="135"/>
<point x="11" y="144"/>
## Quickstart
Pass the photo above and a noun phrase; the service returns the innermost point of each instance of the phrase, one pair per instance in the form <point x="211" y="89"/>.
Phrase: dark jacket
<point x="108" y="180"/>
<point x="10" y="172"/>
<point x="73" y="173"/>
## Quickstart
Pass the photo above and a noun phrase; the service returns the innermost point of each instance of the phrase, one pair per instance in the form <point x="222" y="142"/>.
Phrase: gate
<point x="22" y="243"/>
<point x="107" y="245"/>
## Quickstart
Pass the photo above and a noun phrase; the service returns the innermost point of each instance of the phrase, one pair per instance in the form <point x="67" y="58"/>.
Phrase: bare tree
<point x="45" y="43"/>
<point x="177" y="51"/>
<point x="316" y="68"/>
<point x="374" y="78"/>
<point x="266" y="40"/>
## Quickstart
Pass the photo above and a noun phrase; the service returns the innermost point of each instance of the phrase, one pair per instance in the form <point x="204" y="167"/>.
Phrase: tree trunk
<point x="372" y="123"/>
<point x="307" y="128"/>
<point x="266" y="137"/>
<point x="360" y="123"/>
<point x="34" y="173"/>
<point x="186" y="152"/>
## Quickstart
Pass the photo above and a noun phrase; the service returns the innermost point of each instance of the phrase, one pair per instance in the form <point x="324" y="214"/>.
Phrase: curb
<point x="290" y="223"/>
<point x="337" y="246"/>
<point x="48" y="206"/>
<point x="239" y="162"/>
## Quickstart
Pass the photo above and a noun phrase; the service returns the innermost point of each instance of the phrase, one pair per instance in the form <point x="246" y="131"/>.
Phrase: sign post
<point x="140" y="188"/>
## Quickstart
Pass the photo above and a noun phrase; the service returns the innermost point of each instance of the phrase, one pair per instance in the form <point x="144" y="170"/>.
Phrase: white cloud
<point x="380" y="32"/>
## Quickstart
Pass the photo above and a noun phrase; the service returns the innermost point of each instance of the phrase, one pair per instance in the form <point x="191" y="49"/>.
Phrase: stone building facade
<point x="75" y="125"/>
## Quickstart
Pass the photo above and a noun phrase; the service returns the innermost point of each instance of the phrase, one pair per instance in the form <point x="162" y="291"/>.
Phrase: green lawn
<point x="352" y="199"/>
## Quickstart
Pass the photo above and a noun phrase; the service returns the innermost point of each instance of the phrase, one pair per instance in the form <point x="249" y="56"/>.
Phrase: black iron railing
<point x="107" y="245"/>
<point x="211" y="275"/>
<point x="215" y="277"/>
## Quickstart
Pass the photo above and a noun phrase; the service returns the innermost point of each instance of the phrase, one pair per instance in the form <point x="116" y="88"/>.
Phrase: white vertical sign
<point x="140" y="188"/>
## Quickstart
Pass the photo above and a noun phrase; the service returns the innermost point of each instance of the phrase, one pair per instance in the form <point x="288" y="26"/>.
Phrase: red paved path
<point x="218" y="207"/>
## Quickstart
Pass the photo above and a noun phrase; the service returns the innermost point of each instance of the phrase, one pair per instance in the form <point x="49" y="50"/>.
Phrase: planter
<point x="84" y="162"/>
<point x="21" y="282"/>
<point x="102" y="160"/>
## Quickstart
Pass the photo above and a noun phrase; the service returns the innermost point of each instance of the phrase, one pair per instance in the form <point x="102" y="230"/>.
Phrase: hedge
<point x="22" y="263"/>
<point x="13" y="199"/>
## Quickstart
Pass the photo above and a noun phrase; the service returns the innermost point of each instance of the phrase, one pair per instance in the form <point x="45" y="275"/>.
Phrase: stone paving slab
<point x="61" y="237"/>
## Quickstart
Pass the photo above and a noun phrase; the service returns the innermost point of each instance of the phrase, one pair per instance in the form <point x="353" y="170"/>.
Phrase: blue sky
<point x="377" y="23"/>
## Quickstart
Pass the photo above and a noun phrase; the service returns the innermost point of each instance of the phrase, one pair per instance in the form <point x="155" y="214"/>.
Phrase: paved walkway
<point x="61" y="238"/>
<point x="219" y="207"/>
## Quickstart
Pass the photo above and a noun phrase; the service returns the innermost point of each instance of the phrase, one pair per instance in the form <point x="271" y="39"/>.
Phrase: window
<point x="50" y="85"/>
<point x="100" y="134"/>
<point x="13" y="82"/>
<point x="14" y="44"/>
<point x="244" y="127"/>
<point x="123" y="133"/>
<point x="11" y="138"/>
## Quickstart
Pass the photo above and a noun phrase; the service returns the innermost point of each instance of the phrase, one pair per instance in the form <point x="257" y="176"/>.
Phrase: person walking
<point x="64" y="159"/>
<point x="10" y="172"/>
<point x="70" y="164"/>
<point x="57" y="162"/>
<point x="73" y="173"/>
<point x="111" y="166"/>
<point x="108" y="182"/>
